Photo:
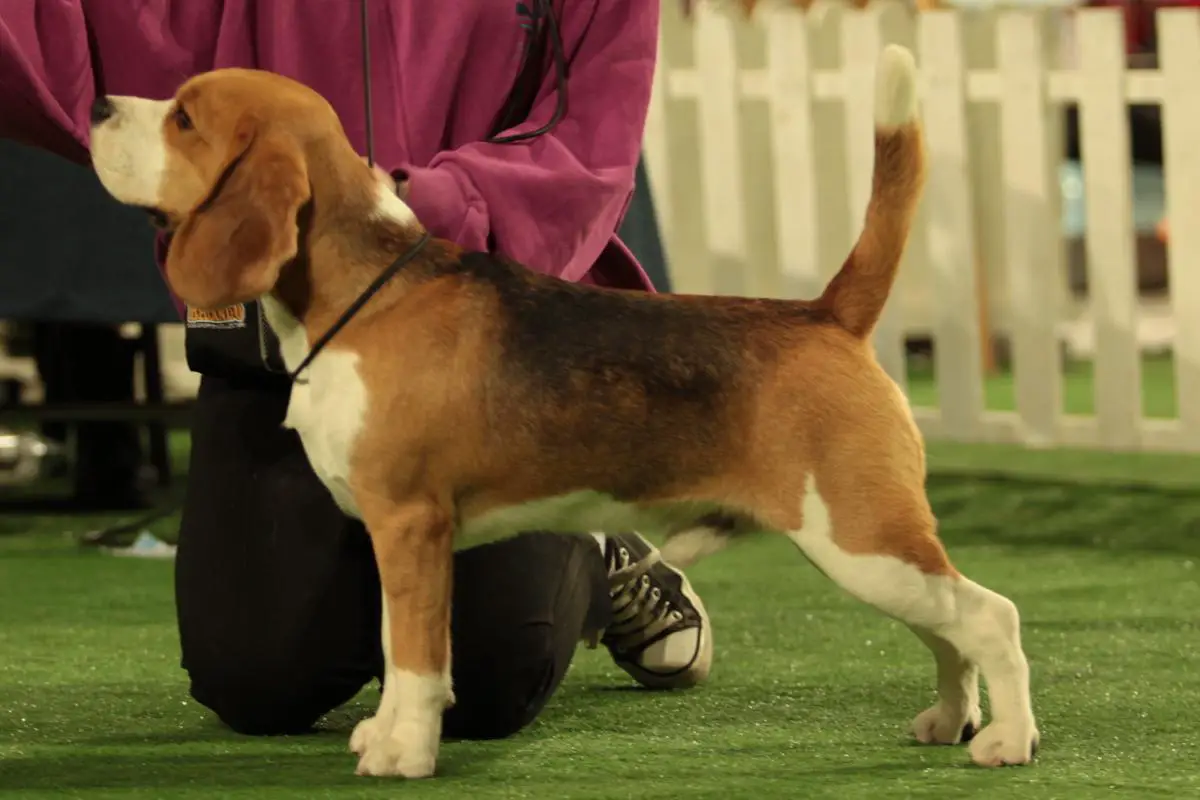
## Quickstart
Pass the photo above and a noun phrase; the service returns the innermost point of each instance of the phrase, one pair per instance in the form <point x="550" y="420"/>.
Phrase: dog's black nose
<point x="102" y="109"/>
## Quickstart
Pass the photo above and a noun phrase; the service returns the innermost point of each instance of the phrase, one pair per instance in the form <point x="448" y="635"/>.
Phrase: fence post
<point x="656" y="150"/>
<point x="1031" y="226"/>
<point x="790" y="103"/>
<point x="1111" y="261"/>
<point x="1179" y="59"/>
<point x="951" y="230"/>
<point x="724" y="201"/>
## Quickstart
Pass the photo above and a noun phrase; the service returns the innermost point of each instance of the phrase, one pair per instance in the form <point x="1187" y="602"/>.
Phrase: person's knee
<point x="501" y="695"/>
<point x="269" y="700"/>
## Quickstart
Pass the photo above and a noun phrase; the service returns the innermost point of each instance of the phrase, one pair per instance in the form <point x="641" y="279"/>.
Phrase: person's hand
<point x="399" y="187"/>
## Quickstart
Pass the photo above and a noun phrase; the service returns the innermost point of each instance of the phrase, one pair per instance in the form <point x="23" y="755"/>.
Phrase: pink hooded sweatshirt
<point x="441" y="71"/>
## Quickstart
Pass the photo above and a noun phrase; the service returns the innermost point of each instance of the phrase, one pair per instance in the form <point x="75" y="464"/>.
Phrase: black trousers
<point x="639" y="230"/>
<point x="279" y="601"/>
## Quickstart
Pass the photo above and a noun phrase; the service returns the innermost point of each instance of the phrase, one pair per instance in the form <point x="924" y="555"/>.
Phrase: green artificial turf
<point x="810" y="696"/>
<point x="1078" y="387"/>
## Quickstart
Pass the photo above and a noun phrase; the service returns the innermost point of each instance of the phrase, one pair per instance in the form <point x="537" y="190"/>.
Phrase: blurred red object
<point x="1140" y="35"/>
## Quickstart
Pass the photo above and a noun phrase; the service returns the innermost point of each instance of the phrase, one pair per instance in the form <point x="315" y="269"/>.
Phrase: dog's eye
<point x="182" y="120"/>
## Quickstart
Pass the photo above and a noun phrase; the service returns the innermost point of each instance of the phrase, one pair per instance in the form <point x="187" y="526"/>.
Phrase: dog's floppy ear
<point x="231" y="248"/>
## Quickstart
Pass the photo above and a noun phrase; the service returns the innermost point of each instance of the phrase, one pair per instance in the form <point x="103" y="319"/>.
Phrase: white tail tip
<point x="895" y="88"/>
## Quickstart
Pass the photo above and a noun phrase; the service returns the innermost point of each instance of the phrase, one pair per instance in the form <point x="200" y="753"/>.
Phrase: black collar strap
<point x="357" y="305"/>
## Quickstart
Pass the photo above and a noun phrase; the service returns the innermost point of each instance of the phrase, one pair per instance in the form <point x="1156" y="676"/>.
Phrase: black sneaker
<point x="660" y="633"/>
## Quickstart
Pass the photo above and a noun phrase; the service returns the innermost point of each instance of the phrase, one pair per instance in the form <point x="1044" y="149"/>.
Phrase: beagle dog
<point x="471" y="398"/>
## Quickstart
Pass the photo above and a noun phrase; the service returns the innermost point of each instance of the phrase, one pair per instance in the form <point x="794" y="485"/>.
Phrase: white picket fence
<point x="759" y="148"/>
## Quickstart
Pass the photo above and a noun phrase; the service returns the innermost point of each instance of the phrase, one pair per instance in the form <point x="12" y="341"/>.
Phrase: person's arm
<point x="46" y="78"/>
<point x="57" y="55"/>
<point x="555" y="201"/>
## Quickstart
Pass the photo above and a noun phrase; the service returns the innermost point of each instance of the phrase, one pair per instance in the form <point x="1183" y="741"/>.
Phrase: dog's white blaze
<point x="327" y="411"/>
<point x="128" y="150"/>
<point x="981" y="625"/>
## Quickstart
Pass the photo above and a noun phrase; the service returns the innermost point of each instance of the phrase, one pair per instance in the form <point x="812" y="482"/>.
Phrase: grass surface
<point x="1158" y="387"/>
<point x="810" y="697"/>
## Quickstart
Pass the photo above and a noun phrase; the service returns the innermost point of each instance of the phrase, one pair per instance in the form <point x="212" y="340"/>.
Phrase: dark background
<point x="68" y="252"/>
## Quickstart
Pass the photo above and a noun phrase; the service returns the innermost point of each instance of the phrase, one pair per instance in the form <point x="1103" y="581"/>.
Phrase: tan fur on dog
<point x="474" y="398"/>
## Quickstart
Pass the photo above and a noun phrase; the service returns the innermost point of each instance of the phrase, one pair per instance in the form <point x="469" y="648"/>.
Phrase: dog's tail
<point x="857" y="294"/>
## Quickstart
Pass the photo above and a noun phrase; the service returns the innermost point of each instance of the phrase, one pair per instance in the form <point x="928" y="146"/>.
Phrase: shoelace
<point x="639" y="611"/>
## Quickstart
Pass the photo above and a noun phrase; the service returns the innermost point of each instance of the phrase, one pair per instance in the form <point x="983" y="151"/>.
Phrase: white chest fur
<point x="328" y="411"/>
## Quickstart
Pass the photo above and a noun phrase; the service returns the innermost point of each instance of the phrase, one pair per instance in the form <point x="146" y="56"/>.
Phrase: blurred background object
<point x="80" y="347"/>
<point x="1041" y="302"/>
<point x="26" y="457"/>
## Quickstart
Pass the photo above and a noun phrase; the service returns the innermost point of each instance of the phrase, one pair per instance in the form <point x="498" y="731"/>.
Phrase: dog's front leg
<point x="414" y="548"/>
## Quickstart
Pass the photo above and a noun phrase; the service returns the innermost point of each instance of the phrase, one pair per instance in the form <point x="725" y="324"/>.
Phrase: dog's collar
<point x="357" y="305"/>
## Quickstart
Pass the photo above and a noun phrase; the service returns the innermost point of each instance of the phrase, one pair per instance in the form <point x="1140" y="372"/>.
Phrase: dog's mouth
<point x="158" y="219"/>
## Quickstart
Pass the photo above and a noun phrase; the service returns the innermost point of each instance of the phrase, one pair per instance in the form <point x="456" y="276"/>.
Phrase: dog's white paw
<point x="944" y="724"/>
<point x="408" y="750"/>
<point x="1005" y="744"/>
<point x="365" y="732"/>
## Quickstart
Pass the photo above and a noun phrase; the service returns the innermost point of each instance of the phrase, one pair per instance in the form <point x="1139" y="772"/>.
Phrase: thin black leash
<point x="546" y="17"/>
<point x="364" y="35"/>
<point x="358" y="303"/>
<point x="395" y="266"/>
<point x="545" y="25"/>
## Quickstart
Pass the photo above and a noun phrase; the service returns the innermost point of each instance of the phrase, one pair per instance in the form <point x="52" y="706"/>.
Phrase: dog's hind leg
<point x="955" y="717"/>
<point x="877" y="540"/>
<point x="709" y="535"/>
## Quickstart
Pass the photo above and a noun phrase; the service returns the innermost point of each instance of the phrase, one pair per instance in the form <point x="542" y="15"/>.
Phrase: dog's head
<point x="227" y="165"/>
